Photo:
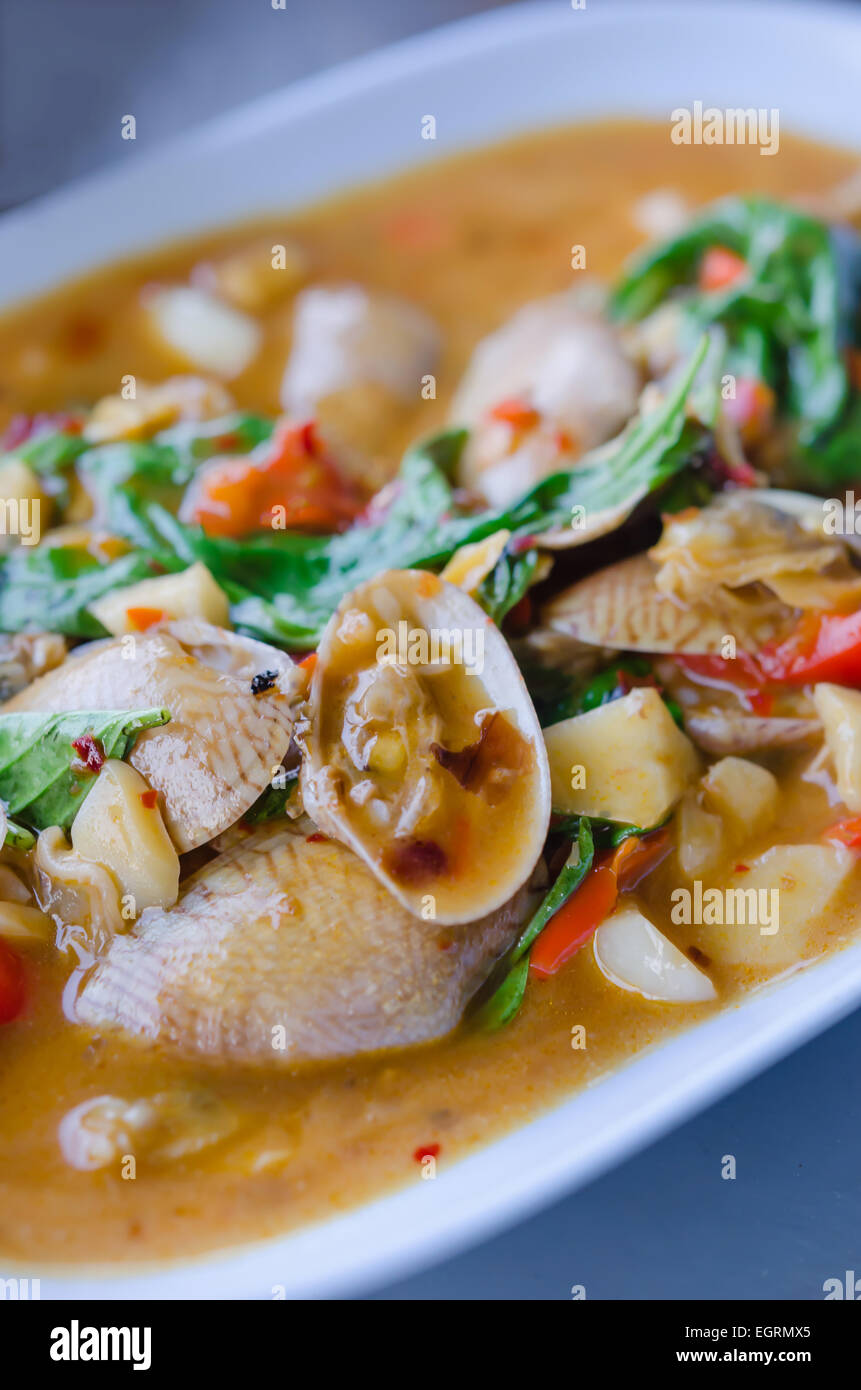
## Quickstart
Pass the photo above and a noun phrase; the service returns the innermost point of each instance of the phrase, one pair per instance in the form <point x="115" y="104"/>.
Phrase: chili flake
<point x="91" y="754"/>
<point x="427" y="1151"/>
<point x="263" y="682"/>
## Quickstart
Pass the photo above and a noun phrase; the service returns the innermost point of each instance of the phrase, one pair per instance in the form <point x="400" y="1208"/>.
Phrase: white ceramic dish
<point x="524" y="67"/>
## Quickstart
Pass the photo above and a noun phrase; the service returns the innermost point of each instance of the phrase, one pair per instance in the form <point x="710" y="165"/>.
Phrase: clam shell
<point x="217" y="753"/>
<point x="735" y="731"/>
<point x="620" y="607"/>
<point x="448" y="843"/>
<point x="284" y="950"/>
<point x="807" y="509"/>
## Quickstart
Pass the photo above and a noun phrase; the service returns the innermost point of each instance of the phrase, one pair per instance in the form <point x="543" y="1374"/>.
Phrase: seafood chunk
<point x="26" y="655"/>
<point x="729" y="731"/>
<point x="80" y="895"/>
<point x="423" y="752"/>
<point x="286" y="949"/>
<point x="745" y="538"/>
<point x="345" y="335"/>
<point x="217" y="753"/>
<point x="170" y="1125"/>
<point x="741" y="566"/>
<point x="202" y="331"/>
<point x="561" y="361"/>
<point x="155" y="408"/>
<point x="356" y="365"/>
<point x="631" y="952"/>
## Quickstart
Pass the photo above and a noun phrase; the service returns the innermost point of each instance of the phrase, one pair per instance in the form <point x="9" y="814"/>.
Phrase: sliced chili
<point x="575" y="922"/>
<point x="719" y="268"/>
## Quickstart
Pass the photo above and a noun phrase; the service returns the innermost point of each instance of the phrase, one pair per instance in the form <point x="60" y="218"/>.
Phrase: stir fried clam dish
<point x="429" y="674"/>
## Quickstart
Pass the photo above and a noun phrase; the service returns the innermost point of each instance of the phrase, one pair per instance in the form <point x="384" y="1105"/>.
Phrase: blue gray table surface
<point x="665" y="1224"/>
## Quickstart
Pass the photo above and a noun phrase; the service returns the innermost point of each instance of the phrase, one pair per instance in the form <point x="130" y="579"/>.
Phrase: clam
<point x="286" y="949"/>
<point x="757" y="537"/>
<point x="422" y="749"/>
<point x="739" y="566"/>
<point x="812" y="513"/>
<point x="217" y="753"/>
<point x="563" y="361"/>
<point x="358" y="364"/>
<point x="621" y="607"/>
<point x="24" y="656"/>
<point x="345" y="337"/>
<point x="731" y="731"/>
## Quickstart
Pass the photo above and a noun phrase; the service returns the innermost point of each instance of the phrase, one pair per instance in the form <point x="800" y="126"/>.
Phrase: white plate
<point x="517" y="68"/>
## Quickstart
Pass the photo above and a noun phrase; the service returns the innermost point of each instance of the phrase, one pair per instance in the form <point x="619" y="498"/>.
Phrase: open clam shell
<point x="423" y="752"/>
<point x="622" y="607"/>
<point x="293" y="935"/>
<point x="818" y="515"/>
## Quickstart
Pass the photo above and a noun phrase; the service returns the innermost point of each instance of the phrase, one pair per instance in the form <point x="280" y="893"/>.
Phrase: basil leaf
<point x="271" y="804"/>
<point x="607" y="834"/>
<point x="787" y="320"/>
<point x="49" y="454"/>
<point x="507" y="583"/>
<point x="572" y="874"/>
<point x="656" y="445"/>
<point x="298" y="581"/>
<point x="237" y="433"/>
<point x="835" y="459"/>
<point x="552" y="692"/>
<point x="122" y="477"/>
<point x="285" y="586"/>
<point x="606" y="686"/>
<point x="50" y="588"/>
<point x="506" y="995"/>
<point x="506" y="999"/>
<point x="37" y="777"/>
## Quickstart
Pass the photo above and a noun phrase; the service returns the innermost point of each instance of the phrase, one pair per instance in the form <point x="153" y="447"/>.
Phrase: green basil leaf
<point x="38" y="780"/>
<point x="49" y="454"/>
<point x="50" y="588"/>
<point x="508" y="581"/>
<point x="787" y="321"/>
<point x="271" y="804"/>
<point x="502" y="996"/>
<point x="607" y="834"/>
<point x="506" y="999"/>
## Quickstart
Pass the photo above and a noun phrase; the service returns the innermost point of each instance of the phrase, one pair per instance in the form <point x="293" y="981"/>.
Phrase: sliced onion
<point x="634" y="955"/>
